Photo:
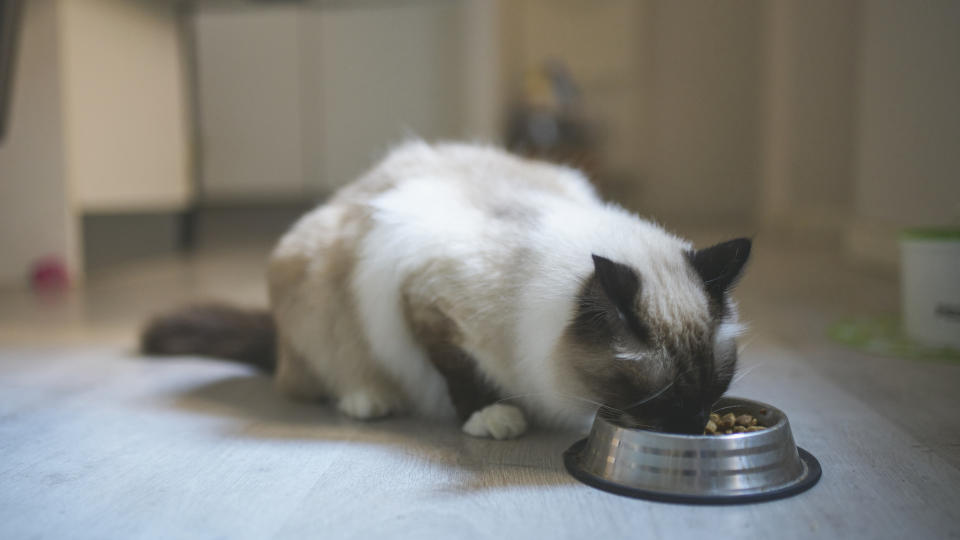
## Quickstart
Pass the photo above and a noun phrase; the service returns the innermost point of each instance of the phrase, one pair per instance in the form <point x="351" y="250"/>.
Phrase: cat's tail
<point x="217" y="330"/>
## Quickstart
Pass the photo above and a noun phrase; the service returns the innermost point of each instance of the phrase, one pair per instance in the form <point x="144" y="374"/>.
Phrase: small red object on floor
<point x="49" y="274"/>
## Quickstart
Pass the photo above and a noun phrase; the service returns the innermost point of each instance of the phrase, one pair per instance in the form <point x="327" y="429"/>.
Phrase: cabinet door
<point x="374" y="76"/>
<point x="295" y="101"/>
<point x="249" y="94"/>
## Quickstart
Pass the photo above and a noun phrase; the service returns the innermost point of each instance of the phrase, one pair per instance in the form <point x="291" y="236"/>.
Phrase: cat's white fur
<point x="501" y="244"/>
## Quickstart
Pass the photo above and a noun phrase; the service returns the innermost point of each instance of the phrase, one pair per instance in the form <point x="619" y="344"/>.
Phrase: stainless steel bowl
<point x="736" y="468"/>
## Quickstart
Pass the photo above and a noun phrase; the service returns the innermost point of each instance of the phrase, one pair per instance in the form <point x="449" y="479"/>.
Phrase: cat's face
<point x="659" y="348"/>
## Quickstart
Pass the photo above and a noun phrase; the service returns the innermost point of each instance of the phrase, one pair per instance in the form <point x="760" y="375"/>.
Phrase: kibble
<point x="730" y="423"/>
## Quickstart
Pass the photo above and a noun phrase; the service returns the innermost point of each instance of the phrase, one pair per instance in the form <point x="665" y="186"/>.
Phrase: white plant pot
<point x="930" y="285"/>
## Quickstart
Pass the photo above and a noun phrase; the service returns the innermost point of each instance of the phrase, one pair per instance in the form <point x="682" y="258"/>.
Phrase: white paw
<point x="498" y="421"/>
<point x="364" y="405"/>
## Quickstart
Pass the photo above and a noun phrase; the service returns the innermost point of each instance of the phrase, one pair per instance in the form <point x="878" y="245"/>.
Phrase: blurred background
<point x="157" y="137"/>
<point x="151" y="152"/>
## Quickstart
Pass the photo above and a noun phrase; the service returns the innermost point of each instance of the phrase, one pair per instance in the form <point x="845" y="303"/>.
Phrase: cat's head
<point x="659" y="344"/>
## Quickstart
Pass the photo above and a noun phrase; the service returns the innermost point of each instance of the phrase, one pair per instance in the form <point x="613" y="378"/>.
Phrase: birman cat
<point x="457" y="279"/>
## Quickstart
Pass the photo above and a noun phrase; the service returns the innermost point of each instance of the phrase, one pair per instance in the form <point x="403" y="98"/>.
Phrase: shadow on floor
<point x="260" y="412"/>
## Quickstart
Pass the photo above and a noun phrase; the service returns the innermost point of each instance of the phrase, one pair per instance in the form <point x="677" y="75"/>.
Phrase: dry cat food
<point x="731" y="423"/>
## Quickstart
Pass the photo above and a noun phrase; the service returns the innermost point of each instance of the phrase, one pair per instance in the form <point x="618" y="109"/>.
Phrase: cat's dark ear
<point x="720" y="266"/>
<point x="620" y="284"/>
<point x="618" y="281"/>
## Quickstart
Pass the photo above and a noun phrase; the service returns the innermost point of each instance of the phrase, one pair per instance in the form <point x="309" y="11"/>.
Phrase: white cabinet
<point x="296" y="100"/>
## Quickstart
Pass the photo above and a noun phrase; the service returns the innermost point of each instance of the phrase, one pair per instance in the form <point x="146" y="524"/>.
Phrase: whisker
<point x="516" y="396"/>
<point x="659" y="392"/>
<point x="746" y="372"/>
<point x="655" y="395"/>
<point x="643" y="426"/>
<point x="600" y="404"/>
<point x="742" y="345"/>
<point x="725" y="408"/>
<point x="597" y="403"/>
<point x="567" y="396"/>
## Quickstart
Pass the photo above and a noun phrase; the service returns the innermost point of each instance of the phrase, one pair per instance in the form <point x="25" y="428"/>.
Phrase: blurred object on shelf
<point x="547" y="122"/>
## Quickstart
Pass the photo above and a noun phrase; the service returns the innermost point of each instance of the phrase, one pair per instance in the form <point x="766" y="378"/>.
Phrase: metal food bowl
<point x="703" y="469"/>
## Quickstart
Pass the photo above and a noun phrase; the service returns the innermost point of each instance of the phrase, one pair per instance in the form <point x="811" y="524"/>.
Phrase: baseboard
<point x="874" y="244"/>
<point x="243" y="224"/>
<point x="110" y="239"/>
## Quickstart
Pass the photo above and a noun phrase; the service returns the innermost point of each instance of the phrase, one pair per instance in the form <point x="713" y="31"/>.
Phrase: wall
<point x="600" y="45"/>
<point x="675" y="86"/>
<point x="810" y="101"/>
<point x="124" y="106"/>
<point x="482" y="98"/>
<point x="908" y="163"/>
<point x="703" y="112"/>
<point x="34" y="217"/>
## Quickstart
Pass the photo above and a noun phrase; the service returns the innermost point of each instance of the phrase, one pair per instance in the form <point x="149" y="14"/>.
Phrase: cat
<point x="458" y="279"/>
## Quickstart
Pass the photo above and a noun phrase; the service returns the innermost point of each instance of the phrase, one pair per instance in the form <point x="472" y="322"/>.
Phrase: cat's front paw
<point x="364" y="405"/>
<point x="498" y="421"/>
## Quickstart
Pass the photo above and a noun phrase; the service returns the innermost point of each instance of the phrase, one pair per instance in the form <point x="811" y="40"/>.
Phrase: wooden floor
<point x="96" y="442"/>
